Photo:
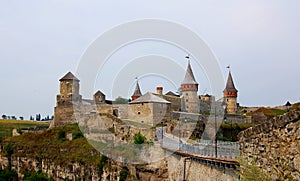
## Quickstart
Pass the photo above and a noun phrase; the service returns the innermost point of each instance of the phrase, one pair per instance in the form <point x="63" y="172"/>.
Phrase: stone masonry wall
<point x="274" y="146"/>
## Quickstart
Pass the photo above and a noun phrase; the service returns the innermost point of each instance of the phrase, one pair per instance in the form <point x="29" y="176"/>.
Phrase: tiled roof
<point x="149" y="98"/>
<point x="69" y="76"/>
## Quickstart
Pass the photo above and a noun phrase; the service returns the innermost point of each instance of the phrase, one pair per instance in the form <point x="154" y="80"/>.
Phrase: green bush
<point x="139" y="138"/>
<point x="36" y="176"/>
<point x="103" y="162"/>
<point x="124" y="173"/>
<point x="61" y="135"/>
<point x="8" y="175"/>
<point x="8" y="148"/>
<point x="77" y="135"/>
<point x="224" y="139"/>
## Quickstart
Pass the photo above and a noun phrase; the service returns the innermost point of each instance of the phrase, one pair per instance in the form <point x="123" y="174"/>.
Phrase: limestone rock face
<point x="274" y="146"/>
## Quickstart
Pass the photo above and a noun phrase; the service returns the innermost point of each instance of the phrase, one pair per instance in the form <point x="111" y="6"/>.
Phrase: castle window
<point x="186" y="100"/>
<point x="186" y="94"/>
<point x="139" y="112"/>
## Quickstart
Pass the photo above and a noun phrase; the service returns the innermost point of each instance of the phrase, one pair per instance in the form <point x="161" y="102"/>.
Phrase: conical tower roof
<point x="137" y="91"/>
<point x="230" y="85"/>
<point x="189" y="76"/>
<point x="69" y="76"/>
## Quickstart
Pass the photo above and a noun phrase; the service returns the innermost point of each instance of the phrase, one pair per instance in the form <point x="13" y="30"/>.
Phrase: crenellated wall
<point x="274" y="146"/>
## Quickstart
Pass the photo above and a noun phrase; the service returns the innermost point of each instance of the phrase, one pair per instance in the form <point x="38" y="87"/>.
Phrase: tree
<point x="8" y="175"/>
<point x="8" y="149"/>
<point x="13" y="117"/>
<point x="4" y="116"/>
<point x="31" y="118"/>
<point x="139" y="138"/>
<point x="38" y="117"/>
<point x="124" y="173"/>
<point x="120" y="100"/>
<point x="21" y="118"/>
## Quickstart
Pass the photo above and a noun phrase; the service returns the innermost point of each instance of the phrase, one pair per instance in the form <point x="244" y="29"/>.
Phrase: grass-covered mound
<point x="6" y="126"/>
<point x="53" y="145"/>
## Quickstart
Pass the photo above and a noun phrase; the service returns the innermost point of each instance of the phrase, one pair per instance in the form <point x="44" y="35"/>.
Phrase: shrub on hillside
<point x="8" y="175"/>
<point x="139" y="138"/>
<point x="124" y="173"/>
<point x="36" y="176"/>
<point x="61" y="135"/>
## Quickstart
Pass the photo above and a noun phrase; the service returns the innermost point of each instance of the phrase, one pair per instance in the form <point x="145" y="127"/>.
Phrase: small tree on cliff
<point x="139" y="138"/>
<point x="8" y="149"/>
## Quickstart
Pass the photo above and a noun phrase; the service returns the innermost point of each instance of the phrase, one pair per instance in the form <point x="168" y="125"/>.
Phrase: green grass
<point x="270" y="112"/>
<point x="6" y="126"/>
<point x="46" y="145"/>
<point x="136" y="124"/>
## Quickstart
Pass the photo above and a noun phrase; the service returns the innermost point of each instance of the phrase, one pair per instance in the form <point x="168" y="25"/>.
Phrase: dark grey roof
<point x="230" y="85"/>
<point x="149" y="98"/>
<point x="137" y="91"/>
<point x="69" y="76"/>
<point x="99" y="93"/>
<point x="170" y="93"/>
<point x="189" y="76"/>
<point x="90" y="101"/>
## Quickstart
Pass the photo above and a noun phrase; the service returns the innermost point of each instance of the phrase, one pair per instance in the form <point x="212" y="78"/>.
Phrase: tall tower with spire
<point x="137" y="92"/>
<point x="230" y="96"/>
<point x="189" y="88"/>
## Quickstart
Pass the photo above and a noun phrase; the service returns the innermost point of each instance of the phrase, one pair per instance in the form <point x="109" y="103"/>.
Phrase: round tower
<point x="230" y="96"/>
<point x="189" y="88"/>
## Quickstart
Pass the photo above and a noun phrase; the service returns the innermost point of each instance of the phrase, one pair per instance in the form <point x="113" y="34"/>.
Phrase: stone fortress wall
<point x="274" y="146"/>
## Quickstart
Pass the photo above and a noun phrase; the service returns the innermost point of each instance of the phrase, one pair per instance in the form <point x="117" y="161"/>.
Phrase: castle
<point x="150" y="108"/>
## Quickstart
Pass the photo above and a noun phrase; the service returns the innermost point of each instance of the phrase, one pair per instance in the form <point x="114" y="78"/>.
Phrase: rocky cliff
<point x="274" y="146"/>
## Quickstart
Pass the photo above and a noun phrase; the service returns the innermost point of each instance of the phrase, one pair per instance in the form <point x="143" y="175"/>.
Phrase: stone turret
<point x="137" y="92"/>
<point x="67" y="98"/>
<point x="189" y="87"/>
<point x="69" y="89"/>
<point x="99" y="97"/>
<point x="230" y="95"/>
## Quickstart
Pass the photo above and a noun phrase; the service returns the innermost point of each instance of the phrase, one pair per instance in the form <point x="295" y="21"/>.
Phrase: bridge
<point x="222" y="154"/>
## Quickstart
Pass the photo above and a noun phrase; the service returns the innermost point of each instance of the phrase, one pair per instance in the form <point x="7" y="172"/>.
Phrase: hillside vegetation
<point x="53" y="145"/>
<point x="269" y="112"/>
<point x="6" y="126"/>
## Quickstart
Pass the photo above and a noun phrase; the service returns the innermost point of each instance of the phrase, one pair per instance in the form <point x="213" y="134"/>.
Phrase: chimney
<point x="159" y="90"/>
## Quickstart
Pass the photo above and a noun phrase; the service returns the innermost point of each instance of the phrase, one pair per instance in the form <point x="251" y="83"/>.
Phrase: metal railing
<point x="204" y="148"/>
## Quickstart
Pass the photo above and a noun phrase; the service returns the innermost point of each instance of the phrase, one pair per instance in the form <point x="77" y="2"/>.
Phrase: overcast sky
<point x="40" y="41"/>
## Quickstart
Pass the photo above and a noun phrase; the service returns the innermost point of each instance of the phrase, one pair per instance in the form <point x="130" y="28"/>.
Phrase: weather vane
<point x="188" y="57"/>
<point x="228" y="67"/>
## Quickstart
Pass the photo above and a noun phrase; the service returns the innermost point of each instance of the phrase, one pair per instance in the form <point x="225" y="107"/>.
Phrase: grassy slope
<point x="270" y="112"/>
<point x="46" y="145"/>
<point x="6" y="126"/>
